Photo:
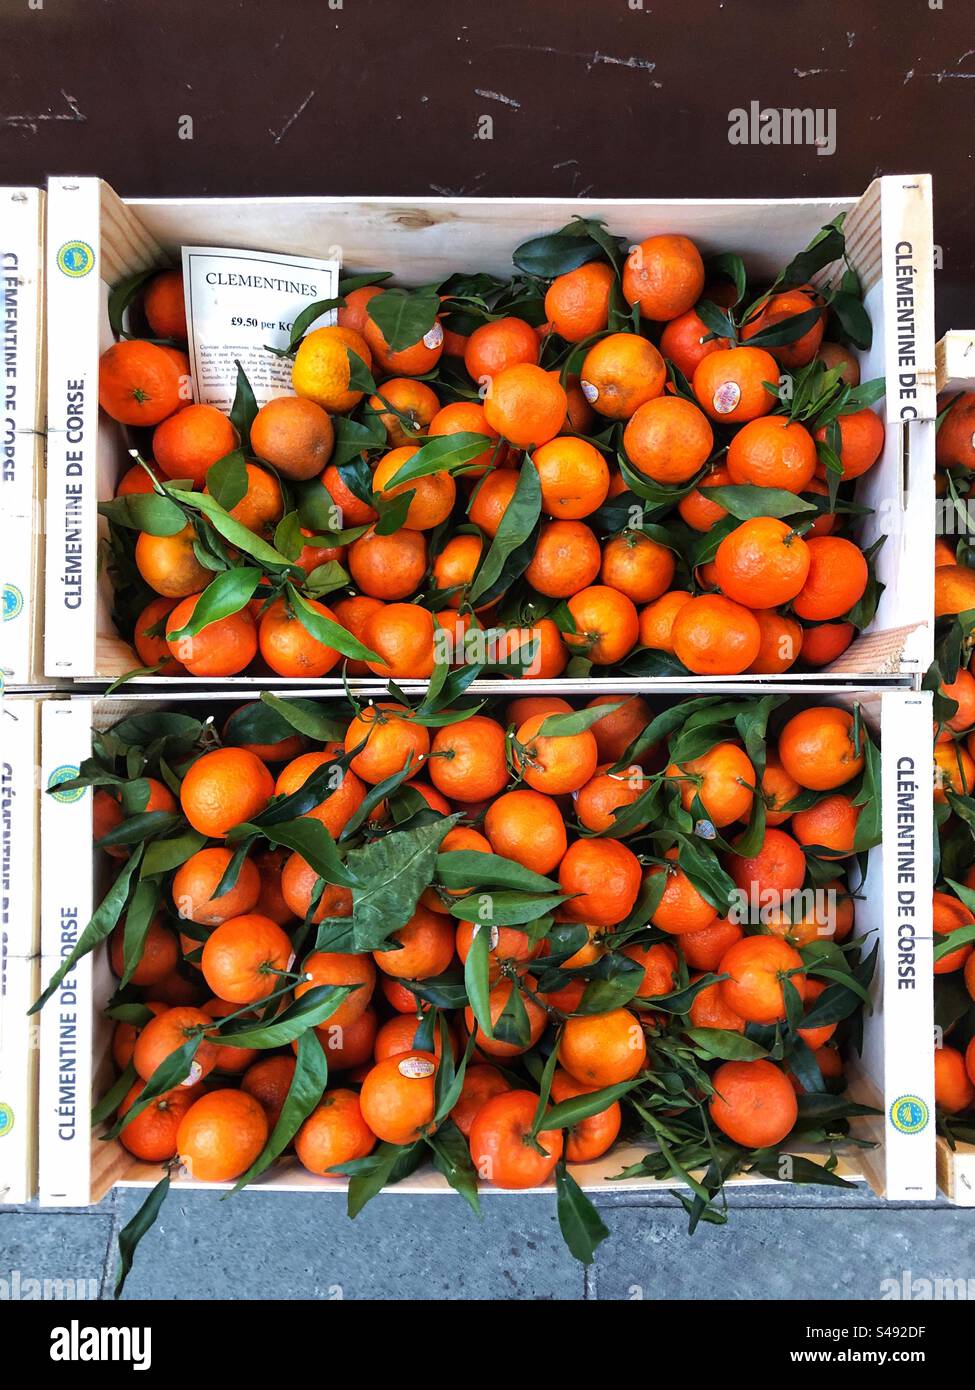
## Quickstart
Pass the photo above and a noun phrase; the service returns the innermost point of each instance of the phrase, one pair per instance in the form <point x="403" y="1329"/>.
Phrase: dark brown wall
<point x="384" y="96"/>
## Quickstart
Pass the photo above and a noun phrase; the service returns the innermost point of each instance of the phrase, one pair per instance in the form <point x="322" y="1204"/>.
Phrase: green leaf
<point x="583" y="1229"/>
<point x="244" y="408"/>
<point x="869" y="823"/>
<point x="327" y="631"/>
<point x="570" y="1112"/>
<point x="306" y="717"/>
<point x="232" y="530"/>
<point x="311" y="839"/>
<point x="449" y="1088"/>
<point x="513" y="1025"/>
<point x="122" y="295"/>
<point x="452" y="1157"/>
<point x="826" y="247"/>
<point x="555" y="254"/>
<point x="388" y="1163"/>
<point x="821" y="1106"/>
<point x="731" y="267"/>
<point x="576" y="722"/>
<point x="348" y="283"/>
<point x="307" y="317"/>
<point x="613" y="982"/>
<point x="100" y="926"/>
<point x="171" y="735"/>
<point x="376" y="794"/>
<point x="477" y="979"/>
<point x="725" y="1044"/>
<point x="163" y="855"/>
<point x="745" y="501"/>
<point x="227" y="594"/>
<point x="392" y="872"/>
<point x="134" y="829"/>
<point x="786" y="330"/>
<point x="134" y="1230"/>
<point x="171" y="1072"/>
<point x="304" y="1093"/>
<point x="853" y="319"/>
<point x="116" y="1093"/>
<point x="516" y="526"/>
<point x="138" y="919"/>
<point x="444" y="991"/>
<point x="288" y="536"/>
<point x="351" y="437"/>
<point x="227" y="479"/>
<point x="145" y="511"/>
<point x="309" y="1011"/>
<point x="460" y="868"/>
<point x="506" y="907"/>
<point x="799" y="1170"/>
<point x="439" y="454"/>
<point x="404" y="316"/>
<point x="662" y="726"/>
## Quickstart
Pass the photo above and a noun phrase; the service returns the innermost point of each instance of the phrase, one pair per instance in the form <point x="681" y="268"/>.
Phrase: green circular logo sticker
<point x="13" y="602"/>
<point x="65" y="774"/>
<point x="75" y="259"/>
<point x="909" y="1114"/>
<point x="6" y="1119"/>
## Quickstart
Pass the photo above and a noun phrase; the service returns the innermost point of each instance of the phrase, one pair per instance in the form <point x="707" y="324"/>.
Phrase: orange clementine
<point x="222" y="648"/>
<point x="223" y="788"/>
<point x="837" y="579"/>
<point x="526" y="405"/>
<point x="186" y="444"/>
<point x="164" y="306"/>
<point x="668" y="439"/>
<point x="604" y="876"/>
<point x="816" y="748"/>
<point x="753" y="1103"/>
<point x="138" y="383"/>
<point x="603" y="1049"/>
<point x="620" y="373"/>
<point x="494" y="347"/>
<point x="713" y="636"/>
<point x="294" y="435"/>
<point x="664" y="275"/>
<point x="761" y="563"/>
<point x="577" y="303"/>
<point x="169" y="565"/>
<point x="221" y="1135"/>
<point x="730" y="386"/>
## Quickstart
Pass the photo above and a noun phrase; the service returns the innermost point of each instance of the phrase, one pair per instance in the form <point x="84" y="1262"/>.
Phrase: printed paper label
<point x="239" y="303"/>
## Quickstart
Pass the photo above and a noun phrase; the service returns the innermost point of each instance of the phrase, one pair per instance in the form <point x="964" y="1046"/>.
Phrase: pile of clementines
<point x="497" y="936"/>
<point x="614" y="460"/>
<point x="954" y="776"/>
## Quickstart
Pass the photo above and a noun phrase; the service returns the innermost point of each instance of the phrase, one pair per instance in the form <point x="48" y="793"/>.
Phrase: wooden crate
<point x="895" y="1073"/>
<point x="889" y="241"/>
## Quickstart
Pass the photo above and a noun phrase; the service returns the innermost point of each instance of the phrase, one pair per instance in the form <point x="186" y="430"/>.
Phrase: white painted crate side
<point x="21" y="442"/>
<point x="67" y="902"/>
<point x="19" y="926"/>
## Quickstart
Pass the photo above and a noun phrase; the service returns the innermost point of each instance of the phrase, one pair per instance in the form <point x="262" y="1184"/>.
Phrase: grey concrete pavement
<point x="778" y="1243"/>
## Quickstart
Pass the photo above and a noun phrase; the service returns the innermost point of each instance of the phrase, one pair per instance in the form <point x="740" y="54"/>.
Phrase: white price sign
<point x="239" y="303"/>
